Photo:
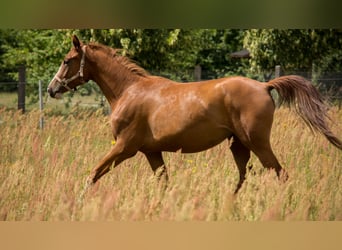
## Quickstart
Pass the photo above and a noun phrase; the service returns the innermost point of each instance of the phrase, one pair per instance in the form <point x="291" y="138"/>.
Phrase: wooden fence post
<point x="21" y="88"/>
<point x="197" y="73"/>
<point x="277" y="71"/>
<point x="41" y="118"/>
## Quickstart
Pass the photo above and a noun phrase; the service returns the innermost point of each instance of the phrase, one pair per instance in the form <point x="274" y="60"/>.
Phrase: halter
<point x="64" y="82"/>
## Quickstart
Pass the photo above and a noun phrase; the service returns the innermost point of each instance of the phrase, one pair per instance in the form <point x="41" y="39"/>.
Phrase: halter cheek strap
<point x="64" y="82"/>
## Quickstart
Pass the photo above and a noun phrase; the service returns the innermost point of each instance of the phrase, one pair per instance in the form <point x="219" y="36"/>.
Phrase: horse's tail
<point x="308" y="102"/>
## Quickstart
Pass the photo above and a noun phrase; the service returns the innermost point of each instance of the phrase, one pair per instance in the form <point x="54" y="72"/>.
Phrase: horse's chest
<point x="125" y="119"/>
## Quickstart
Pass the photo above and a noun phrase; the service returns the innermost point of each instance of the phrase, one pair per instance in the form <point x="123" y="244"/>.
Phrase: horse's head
<point x="71" y="73"/>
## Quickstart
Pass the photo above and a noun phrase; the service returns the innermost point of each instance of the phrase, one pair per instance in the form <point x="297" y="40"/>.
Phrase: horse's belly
<point x="193" y="127"/>
<point x="197" y="146"/>
<point x="202" y="140"/>
<point x="189" y="141"/>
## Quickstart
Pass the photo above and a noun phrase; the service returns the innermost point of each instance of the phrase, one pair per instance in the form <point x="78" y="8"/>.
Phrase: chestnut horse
<point x="152" y="114"/>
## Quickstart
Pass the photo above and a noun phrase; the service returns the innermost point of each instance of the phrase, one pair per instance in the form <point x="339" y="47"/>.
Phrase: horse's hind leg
<point x="253" y="130"/>
<point x="157" y="164"/>
<point x="241" y="156"/>
<point x="268" y="159"/>
<point x="259" y="141"/>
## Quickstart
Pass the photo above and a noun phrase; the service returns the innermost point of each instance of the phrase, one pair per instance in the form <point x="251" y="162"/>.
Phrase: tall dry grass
<point x="42" y="174"/>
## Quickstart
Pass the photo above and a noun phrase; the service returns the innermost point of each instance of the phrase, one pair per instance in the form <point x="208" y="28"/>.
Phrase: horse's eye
<point x="66" y="62"/>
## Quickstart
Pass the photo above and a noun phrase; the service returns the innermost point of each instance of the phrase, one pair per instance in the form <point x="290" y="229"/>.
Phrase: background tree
<point x="169" y="52"/>
<point x="306" y="50"/>
<point x="214" y="55"/>
<point x="40" y="51"/>
<point x="175" y="52"/>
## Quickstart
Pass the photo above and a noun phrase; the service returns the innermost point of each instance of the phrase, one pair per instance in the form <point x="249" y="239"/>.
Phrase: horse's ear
<point x="76" y="42"/>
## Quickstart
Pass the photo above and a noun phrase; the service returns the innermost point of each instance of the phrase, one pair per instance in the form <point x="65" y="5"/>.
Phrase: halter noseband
<point x="64" y="82"/>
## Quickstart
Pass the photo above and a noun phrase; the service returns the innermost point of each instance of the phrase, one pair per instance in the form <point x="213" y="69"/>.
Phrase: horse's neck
<point x="110" y="76"/>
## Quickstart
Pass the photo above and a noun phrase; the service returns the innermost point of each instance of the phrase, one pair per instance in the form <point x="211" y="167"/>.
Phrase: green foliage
<point x="214" y="56"/>
<point x="39" y="50"/>
<point x="175" y="52"/>
<point x="170" y="52"/>
<point x="298" y="49"/>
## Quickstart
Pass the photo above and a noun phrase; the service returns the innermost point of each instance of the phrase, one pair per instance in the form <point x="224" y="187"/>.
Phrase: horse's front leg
<point x="116" y="155"/>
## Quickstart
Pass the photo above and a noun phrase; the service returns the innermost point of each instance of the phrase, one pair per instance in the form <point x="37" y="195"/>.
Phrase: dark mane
<point x="123" y="60"/>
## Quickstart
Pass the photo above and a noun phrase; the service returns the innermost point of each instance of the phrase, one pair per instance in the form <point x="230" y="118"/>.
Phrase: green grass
<point x="42" y="175"/>
<point x="53" y="106"/>
<point x="9" y="100"/>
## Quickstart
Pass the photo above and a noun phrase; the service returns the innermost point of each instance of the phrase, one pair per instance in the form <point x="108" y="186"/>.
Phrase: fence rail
<point x="329" y="83"/>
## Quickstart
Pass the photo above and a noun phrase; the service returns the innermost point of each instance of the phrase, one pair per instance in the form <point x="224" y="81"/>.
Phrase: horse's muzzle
<point x="51" y="92"/>
<point x="54" y="94"/>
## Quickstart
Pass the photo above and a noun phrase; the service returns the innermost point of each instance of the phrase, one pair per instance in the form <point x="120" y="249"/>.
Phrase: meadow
<point x="43" y="172"/>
